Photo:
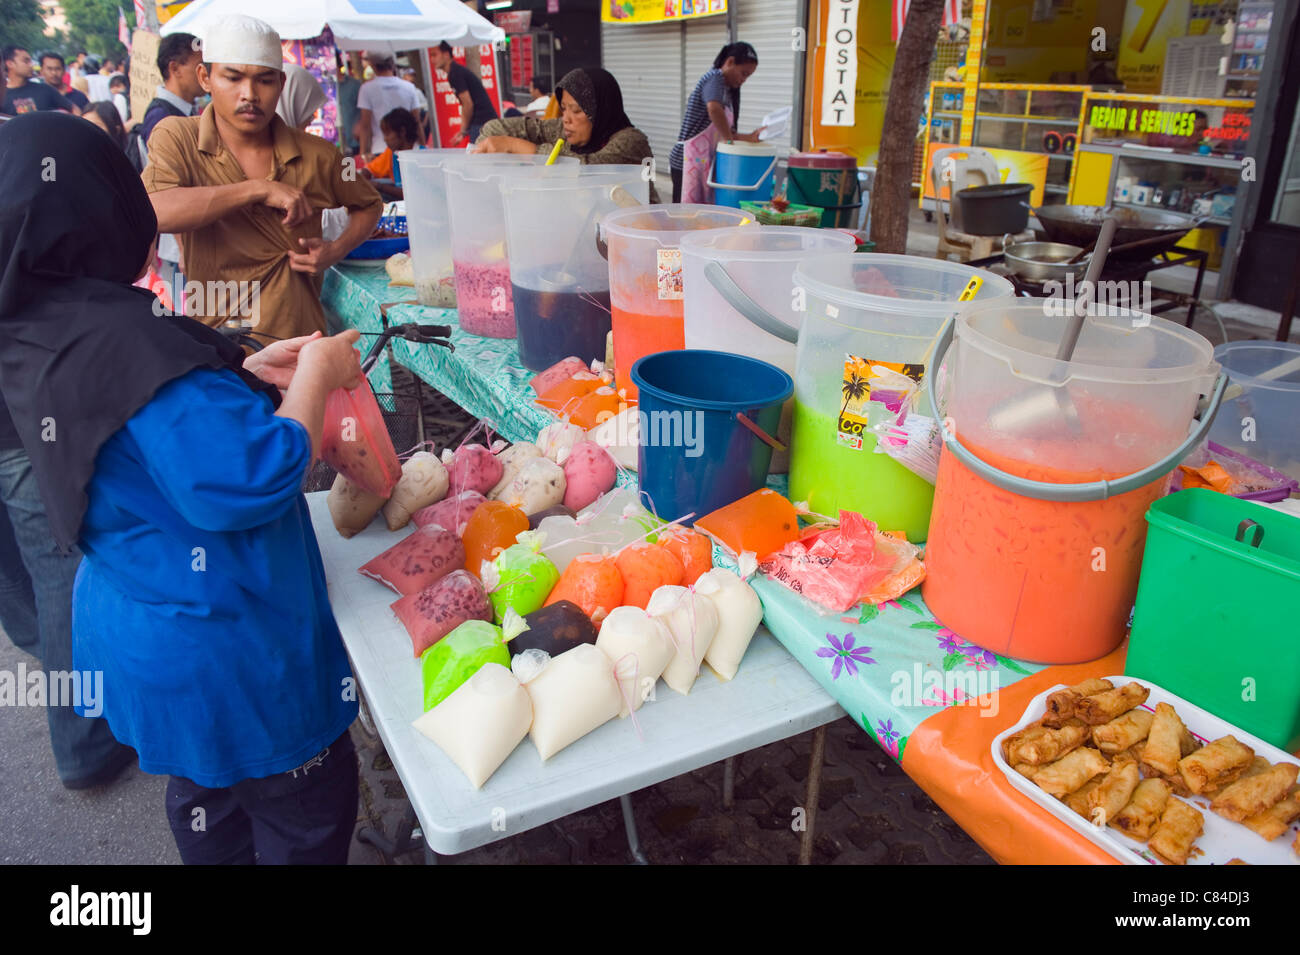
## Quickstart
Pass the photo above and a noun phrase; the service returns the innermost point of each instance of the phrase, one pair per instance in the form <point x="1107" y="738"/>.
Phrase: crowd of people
<point x="152" y="526"/>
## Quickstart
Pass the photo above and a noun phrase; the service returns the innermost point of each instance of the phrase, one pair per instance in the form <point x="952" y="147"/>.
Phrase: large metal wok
<point x="1141" y="233"/>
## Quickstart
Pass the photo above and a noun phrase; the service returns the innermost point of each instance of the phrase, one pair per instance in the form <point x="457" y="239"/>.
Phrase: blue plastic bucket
<point x="698" y="450"/>
<point x="742" y="171"/>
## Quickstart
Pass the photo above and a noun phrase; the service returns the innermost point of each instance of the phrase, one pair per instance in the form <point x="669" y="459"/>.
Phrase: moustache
<point x="251" y="110"/>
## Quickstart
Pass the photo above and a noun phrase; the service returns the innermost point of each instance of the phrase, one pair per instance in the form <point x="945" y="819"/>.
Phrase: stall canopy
<point x="375" y="25"/>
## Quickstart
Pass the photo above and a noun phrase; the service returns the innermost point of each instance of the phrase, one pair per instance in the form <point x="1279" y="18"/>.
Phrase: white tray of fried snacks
<point x="1153" y="779"/>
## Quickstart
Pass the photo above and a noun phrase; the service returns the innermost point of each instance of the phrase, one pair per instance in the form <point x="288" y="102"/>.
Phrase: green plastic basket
<point x="807" y="216"/>
<point x="1215" y="621"/>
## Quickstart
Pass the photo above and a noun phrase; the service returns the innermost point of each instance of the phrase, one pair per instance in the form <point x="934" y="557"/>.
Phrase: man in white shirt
<point x="377" y="98"/>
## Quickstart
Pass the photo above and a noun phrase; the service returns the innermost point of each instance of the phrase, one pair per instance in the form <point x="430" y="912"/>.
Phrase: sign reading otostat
<point x="840" y="73"/>
<point x="657" y="11"/>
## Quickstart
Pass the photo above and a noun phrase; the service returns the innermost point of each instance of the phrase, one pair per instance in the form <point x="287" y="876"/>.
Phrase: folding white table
<point x="771" y="698"/>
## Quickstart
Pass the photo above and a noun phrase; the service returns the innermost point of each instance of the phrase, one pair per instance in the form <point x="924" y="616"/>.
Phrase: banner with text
<point x="657" y="11"/>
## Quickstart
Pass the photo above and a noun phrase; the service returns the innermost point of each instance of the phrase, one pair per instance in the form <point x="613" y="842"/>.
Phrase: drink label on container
<point x="668" y="273"/>
<point x="894" y="385"/>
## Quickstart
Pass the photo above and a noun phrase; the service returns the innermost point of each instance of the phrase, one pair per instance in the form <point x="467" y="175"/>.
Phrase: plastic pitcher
<point x="742" y="171"/>
<point x="1263" y="422"/>
<point x="478" y="235"/>
<point x="1049" y="469"/>
<point x="867" y="339"/>
<point x="560" y="282"/>
<point x="428" y="223"/>
<point x="707" y="424"/>
<point x="761" y="263"/>
<point x="645" y="277"/>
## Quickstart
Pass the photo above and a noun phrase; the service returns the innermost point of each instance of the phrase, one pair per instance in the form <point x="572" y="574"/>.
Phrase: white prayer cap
<point x="243" y="40"/>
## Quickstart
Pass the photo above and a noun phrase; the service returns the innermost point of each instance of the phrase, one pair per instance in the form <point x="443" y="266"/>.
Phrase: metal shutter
<point x="646" y="59"/>
<point x="766" y="26"/>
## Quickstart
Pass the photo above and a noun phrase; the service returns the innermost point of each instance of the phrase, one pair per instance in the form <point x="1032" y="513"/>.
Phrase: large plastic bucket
<point x="645" y="277"/>
<point x="1263" y="422"/>
<point x="706" y="421"/>
<point x="429" y="223"/>
<point x="1216" y="611"/>
<point x="1049" y="468"/>
<point x="559" y="281"/>
<point x="828" y="180"/>
<point x="872" y="321"/>
<point x="742" y="171"/>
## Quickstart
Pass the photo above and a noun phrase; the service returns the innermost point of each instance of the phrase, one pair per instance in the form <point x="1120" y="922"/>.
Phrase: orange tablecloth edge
<point x="949" y="756"/>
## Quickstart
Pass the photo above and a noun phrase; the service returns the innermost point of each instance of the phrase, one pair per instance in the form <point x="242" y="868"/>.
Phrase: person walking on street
<point x="377" y="98"/>
<point x="711" y="113"/>
<point x="475" y="105"/>
<point x="53" y="75"/>
<point x="244" y="191"/>
<point x="22" y="95"/>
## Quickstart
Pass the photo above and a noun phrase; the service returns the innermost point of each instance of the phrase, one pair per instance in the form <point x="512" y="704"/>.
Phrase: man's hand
<point x="505" y="144"/>
<point x="317" y="256"/>
<point x="457" y="139"/>
<point x="276" y="363"/>
<point x="292" y="201"/>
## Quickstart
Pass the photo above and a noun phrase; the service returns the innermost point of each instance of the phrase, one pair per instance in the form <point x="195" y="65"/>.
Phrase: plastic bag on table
<point x="896" y="569"/>
<point x="459" y="655"/>
<point x="481" y="723"/>
<point x="355" y="440"/>
<point x="832" y="567"/>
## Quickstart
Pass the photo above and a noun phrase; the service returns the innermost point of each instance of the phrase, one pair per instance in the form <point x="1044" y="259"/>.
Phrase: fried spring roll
<point x="1050" y="745"/>
<point x="1070" y="771"/>
<point x="1164" y="741"/>
<point x="1060" y="705"/>
<point x="1024" y="769"/>
<point x="1122" y="732"/>
<point x="1257" y="766"/>
<point x="1252" y="794"/>
<point x="1078" y="800"/>
<point x="1178" y="829"/>
<point x="1114" y="793"/>
<point x="1138" y="819"/>
<point x="1217" y="764"/>
<point x="1108" y="704"/>
<point x="1274" y="820"/>
<point x="1031" y="732"/>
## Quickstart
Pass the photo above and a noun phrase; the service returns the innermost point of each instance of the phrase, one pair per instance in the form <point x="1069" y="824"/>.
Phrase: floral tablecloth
<point x="929" y="698"/>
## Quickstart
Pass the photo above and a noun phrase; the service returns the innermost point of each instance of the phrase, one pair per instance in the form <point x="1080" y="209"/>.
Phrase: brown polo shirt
<point x="250" y="247"/>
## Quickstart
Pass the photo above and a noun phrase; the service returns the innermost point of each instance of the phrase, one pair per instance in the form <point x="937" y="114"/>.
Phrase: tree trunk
<point x="891" y="194"/>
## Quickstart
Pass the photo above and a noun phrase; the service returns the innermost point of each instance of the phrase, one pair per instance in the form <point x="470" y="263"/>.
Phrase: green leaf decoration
<point x="1013" y="666"/>
<point x="951" y="660"/>
<point x="869" y="613"/>
<point x="903" y="602"/>
<point x="902" y="743"/>
<point x="926" y="625"/>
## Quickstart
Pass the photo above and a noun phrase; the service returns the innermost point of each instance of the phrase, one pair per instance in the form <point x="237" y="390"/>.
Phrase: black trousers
<point x="302" y="817"/>
<point x="677" y="184"/>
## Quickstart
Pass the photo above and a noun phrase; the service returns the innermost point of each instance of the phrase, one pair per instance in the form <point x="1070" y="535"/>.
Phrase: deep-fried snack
<point x="1060" y="705"/>
<point x="1031" y="732"/>
<point x="1189" y="743"/>
<point x="1254" y="793"/>
<point x="1024" y="769"/>
<point x="1078" y="800"/>
<point x="1070" y="771"/>
<point x="1164" y="741"/>
<point x="1138" y="819"/>
<point x="1257" y="766"/>
<point x="1105" y="706"/>
<point x="1123" y="731"/>
<point x="1179" y="827"/>
<point x="1114" y="792"/>
<point x="1236" y="862"/>
<point x="1274" y="820"/>
<point x="1050" y="745"/>
<point x="1217" y="764"/>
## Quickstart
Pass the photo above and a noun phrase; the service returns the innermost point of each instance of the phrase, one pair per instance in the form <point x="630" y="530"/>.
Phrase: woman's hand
<point x="276" y="363"/>
<point x="505" y="144"/>
<point x="751" y="137"/>
<point x="332" y="362"/>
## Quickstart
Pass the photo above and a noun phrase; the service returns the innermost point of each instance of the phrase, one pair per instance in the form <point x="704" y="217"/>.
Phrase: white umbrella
<point x="376" y="25"/>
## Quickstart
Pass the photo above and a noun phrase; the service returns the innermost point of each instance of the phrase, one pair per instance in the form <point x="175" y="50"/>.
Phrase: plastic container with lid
<point x="742" y="171"/>
<point x="828" y="180"/>
<point x="645" y="277"/>
<point x="428" y="223"/>
<point x="1263" y="422"/>
<point x="478" y="235"/>
<point x="867" y="338"/>
<point x="560" y="281"/>
<point x="1049" y="468"/>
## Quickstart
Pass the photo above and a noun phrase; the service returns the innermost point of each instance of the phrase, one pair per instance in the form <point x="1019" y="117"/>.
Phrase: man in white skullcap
<point x="244" y="192"/>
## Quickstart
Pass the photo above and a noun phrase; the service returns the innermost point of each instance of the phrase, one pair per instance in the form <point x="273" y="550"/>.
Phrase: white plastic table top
<point x="771" y="698"/>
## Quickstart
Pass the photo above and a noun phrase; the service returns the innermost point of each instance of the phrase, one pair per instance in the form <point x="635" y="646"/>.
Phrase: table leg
<point x="1196" y="289"/>
<point x="729" y="782"/>
<point x="814" y="794"/>
<point x="629" y="826"/>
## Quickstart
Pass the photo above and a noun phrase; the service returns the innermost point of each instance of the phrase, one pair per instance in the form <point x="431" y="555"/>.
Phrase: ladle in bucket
<point x="564" y="280"/>
<point x="1049" y="403"/>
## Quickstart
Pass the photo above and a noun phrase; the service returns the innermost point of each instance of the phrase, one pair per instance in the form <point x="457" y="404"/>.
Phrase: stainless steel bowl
<point x="1045" y="261"/>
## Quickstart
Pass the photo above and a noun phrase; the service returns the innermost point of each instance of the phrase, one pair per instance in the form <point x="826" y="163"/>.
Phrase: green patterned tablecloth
<point x="354" y="293"/>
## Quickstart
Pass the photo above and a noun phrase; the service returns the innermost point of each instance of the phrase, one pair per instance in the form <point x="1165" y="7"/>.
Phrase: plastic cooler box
<point x="1215" y="620"/>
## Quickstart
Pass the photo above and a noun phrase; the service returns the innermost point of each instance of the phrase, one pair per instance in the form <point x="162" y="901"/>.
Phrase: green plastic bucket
<point x="1215" y="616"/>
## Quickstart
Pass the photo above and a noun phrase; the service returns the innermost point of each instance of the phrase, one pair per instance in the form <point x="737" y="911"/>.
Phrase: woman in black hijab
<point x="157" y="448"/>
<point x="592" y="124"/>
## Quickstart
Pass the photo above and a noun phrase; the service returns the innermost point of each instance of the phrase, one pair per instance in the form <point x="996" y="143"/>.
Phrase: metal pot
<point x="1157" y="229"/>
<point x="1045" y="261"/>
